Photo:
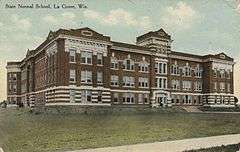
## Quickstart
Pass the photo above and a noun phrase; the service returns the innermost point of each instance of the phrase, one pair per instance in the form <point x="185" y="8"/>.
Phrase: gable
<point x="223" y="56"/>
<point x="88" y="33"/>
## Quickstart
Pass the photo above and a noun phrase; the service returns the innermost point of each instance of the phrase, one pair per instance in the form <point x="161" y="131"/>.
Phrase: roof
<point x="160" y="34"/>
<point x="221" y="56"/>
<point x="131" y="46"/>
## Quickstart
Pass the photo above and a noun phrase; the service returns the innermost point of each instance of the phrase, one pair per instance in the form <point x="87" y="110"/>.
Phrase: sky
<point x="196" y="26"/>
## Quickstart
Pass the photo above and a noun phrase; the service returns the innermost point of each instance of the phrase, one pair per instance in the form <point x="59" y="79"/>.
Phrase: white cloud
<point x="119" y="17"/>
<point x="21" y="23"/>
<point x="50" y="19"/>
<point x="91" y="14"/>
<point x="68" y="15"/>
<point x="182" y="15"/>
<point x="238" y="6"/>
<point x="64" y="20"/>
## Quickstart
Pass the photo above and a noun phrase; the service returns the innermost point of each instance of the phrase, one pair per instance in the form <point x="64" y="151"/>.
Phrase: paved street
<point x="172" y="146"/>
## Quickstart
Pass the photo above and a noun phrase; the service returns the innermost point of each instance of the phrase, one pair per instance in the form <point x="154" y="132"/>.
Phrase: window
<point x="198" y="86"/>
<point x="14" y="76"/>
<point x="228" y="87"/>
<point x="114" y="80"/>
<point x="99" y="58"/>
<point x="228" y="74"/>
<point x="99" y="77"/>
<point x="72" y="76"/>
<point x="161" y="68"/>
<point x="86" y="96"/>
<point x="161" y="82"/>
<point x="140" y="98"/>
<point x="175" y="84"/>
<point x="215" y="73"/>
<point x="187" y="85"/>
<point x="222" y="73"/>
<point x="115" y="97"/>
<point x="215" y="86"/>
<point x="72" y="55"/>
<point x="175" y="69"/>
<point x="198" y="72"/>
<point x="99" y="99"/>
<point x="128" y="64"/>
<point x="86" y="57"/>
<point x="186" y="70"/>
<point x="128" y="98"/>
<point x="143" y="82"/>
<point x="114" y="63"/>
<point x="86" y="76"/>
<point x="143" y="66"/>
<point x="222" y="86"/>
<point x="14" y="88"/>
<point x="128" y="81"/>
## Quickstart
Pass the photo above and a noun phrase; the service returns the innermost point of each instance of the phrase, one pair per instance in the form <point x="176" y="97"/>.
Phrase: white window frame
<point x="143" y="66"/>
<point x="222" y="86"/>
<point x="143" y="82"/>
<point x="99" y="58"/>
<point x="114" y="80"/>
<point x="128" y="81"/>
<point x="114" y="63"/>
<point x="161" y="82"/>
<point x="175" y="84"/>
<point x="86" y="55"/>
<point x="72" y="75"/>
<point x="198" y="72"/>
<point x="86" y="77"/>
<point x="198" y="85"/>
<point x="161" y="67"/>
<point x="187" y="85"/>
<point x="128" y="98"/>
<point x="129" y="67"/>
<point x="85" y="94"/>
<point x="72" y="53"/>
<point x="99" y="77"/>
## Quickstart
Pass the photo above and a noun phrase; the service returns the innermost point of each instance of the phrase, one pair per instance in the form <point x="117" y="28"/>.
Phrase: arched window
<point x="128" y="64"/>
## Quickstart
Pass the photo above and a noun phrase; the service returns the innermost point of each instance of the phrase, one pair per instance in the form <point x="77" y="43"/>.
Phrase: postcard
<point x="119" y="76"/>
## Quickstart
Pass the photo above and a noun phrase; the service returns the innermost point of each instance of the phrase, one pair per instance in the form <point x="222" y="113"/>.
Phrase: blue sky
<point x="196" y="26"/>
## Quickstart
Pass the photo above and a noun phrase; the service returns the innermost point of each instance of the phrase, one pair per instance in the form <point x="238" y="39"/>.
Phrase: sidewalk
<point x="172" y="146"/>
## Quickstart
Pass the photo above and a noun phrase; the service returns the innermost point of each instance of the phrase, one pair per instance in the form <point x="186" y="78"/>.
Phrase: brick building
<point x="81" y="66"/>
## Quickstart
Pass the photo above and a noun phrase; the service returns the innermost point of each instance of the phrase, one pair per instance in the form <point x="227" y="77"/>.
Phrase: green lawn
<point x="24" y="132"/>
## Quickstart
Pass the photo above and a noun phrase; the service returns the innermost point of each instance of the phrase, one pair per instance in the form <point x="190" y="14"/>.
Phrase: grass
<point x="221" y="109"/>
<point x="22" y="131"/>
